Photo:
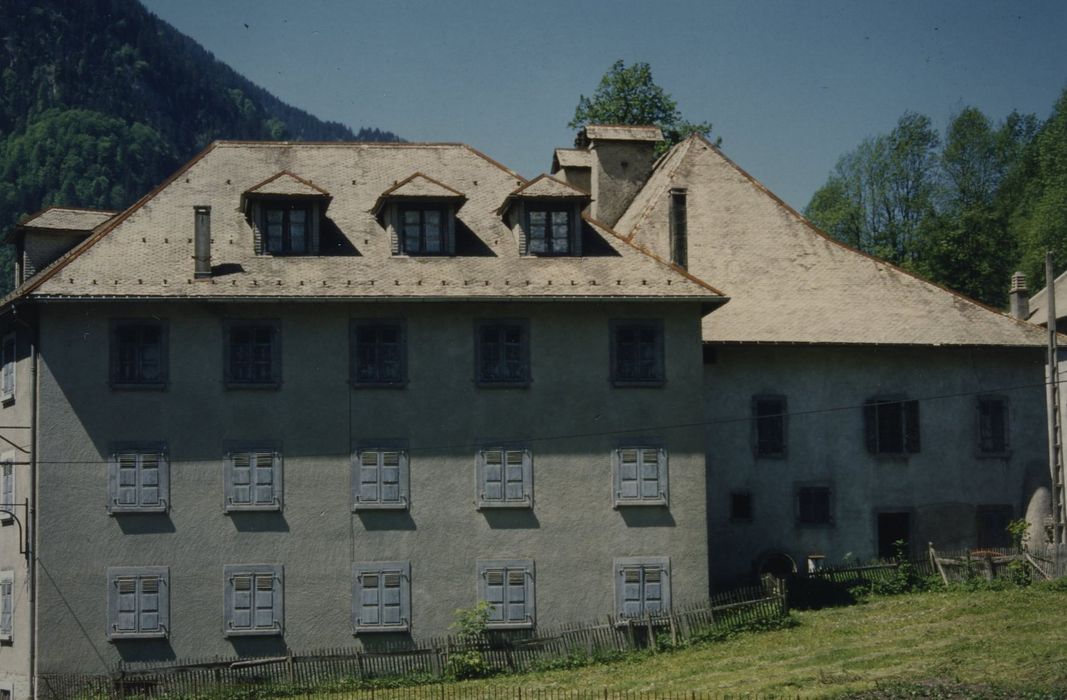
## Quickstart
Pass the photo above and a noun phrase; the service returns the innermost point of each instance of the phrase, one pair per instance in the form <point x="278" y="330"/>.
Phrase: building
<point x="307" y="395"/>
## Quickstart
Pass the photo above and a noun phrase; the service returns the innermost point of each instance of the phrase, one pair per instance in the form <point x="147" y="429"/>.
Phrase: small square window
<point x="993" y="426"/>
<point x="642" y="586"/>
<point x="637" y="353"/>
<point x="508" y="586"/>
<point x="741" y="507"/>
<point x="502" y="353"/>
<point x="287" y="228"/>
<point x="138" y="602"/>
<point x="640" y="476"/>
<point x="379" y="353"/>
<point x="381" y="596"/>
<point x="253" y="600"/>
<point x="814" y="505"/>
<point x="505" y="478"/>
<point x="423" y="230"/>
<point x="139" y="354"/>
<point x="7" y="369"/>
<point x="549" y="230"/>
<point x="253" y="479"/>
<point x="892" y="426"/>
<point x="380" y="478"/>
<point x="253" y="354"/>
<point x="769" y="426"/>
<point x="138" y="479"/>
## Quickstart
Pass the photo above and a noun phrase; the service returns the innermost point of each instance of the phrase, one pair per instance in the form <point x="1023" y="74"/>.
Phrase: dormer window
<point x="286" y="228"/>
<point x="424" y="230"/>
<point x="419" y="214"/>
<point x="548" y="230"/>
<point x="285" y="212"/>
<point x="546" y="216"/>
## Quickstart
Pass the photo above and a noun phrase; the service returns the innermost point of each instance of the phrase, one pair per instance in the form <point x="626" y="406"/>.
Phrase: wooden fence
<point x="834" y="585"/>
<point x="345" y="669"/>
<point x="1039" y="561"/>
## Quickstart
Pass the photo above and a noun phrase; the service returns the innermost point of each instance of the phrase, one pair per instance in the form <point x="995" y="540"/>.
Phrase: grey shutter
<point x="515" y="462"/>
<point x="652" y="589"/>
<point x="148" y="470"/>
<point x="390" y="468"/>
<point x="6" y="605"/>
<point x="642" y="586"/>
<point x="123" y="486"/>
<point x="628" y="486"/>
<point x="125" y="621"/>
<point x="8" y="493"/>
<point x="507" y="585"/>
<point x="381" y="596"/>
<point x="369" y="476"/>
<point x="241" y="602"/>
<point x="239" y="483"/>
<point x="148" y="608"/>
<point x="516" y="582"/>
<point x="263" y="595"/>
<point x="254" y="599"/>
<point x="494" y="593"/>
<point x="650" y="469"/>
<point x="266" y="468"/>
<point x="391" y="608"/>
<point x="138" y="602"/>
<point x="492" y="477"/>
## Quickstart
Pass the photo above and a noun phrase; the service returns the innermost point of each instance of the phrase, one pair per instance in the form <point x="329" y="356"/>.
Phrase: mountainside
<point x="100" y="100"/>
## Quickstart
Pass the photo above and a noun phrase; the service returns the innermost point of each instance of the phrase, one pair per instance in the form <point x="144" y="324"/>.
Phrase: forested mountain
<point x="964" y="210"/>
<point x="100" y="100"/>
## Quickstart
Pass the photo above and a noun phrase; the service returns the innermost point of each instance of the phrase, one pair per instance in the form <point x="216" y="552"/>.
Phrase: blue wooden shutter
<point x="265" y="464"/>
<point x="264" y="601"/>
<point x="652" y="589"/>
<point x="148" y="608"/>
<point x="381" y="596"/>
<point x="627" y="468"/>
<point x="515" y="475"/>
<point x="492" y="475"/>
<point x="516" y="594"/>
<point x="650" y="472"/>
<point x="240" y="483"/>
<point x="392" y="614"/>
<point x="241" y="602"/>
<point x="125" y="621"/>
<point x="370" y="598"/>
<point x="494" y="593"/>
<point x="369" y="477"/>
<point x="390" y="476"/>
<point x="149" y="468"/>
<point x="124" y="490"/>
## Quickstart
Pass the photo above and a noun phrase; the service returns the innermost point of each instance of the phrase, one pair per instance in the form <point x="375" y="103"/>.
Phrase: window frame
<point x="443" y="210"/>
<point x="229" y="326"/>
<point x="140" y="449"/>
<point x="910" y="426"/>
<point x="286" y="207"/>
<point x="233" y="571"/>
<point x="403" y="501"/>
<point x="482" y="468"/>
<point x="662" y="499"/>
<point x="355" y="325"/>
<point x="277" y="477"/>
<point x="1005" y="407"/>
<point x="659" y="348"/>
<point x="549" y="210"/>
<point x="381" y="568"/>
<point x="508" y="567"/>
<point x="8" y="368"/>
<point x="501" y="325"/>
<point x="733" y="517"/>
<point x="7" y="599"/>
<point x="115" y="355"/>
<point x="114" y="574"/>
<point x="799" y="488"/>
<point x="620" y="565"/>
<point x="782" y="417"/>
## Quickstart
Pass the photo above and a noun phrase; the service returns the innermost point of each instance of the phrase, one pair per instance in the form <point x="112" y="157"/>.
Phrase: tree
<point x="628" y="95"/>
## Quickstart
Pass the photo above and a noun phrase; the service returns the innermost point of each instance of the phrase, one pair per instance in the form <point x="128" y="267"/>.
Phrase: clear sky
<point x="789" y="86"/>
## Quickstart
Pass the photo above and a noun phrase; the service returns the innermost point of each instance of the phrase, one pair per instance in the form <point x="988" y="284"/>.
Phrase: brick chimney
<point x="1020" y="296"/>
<point x="621" y="162"/>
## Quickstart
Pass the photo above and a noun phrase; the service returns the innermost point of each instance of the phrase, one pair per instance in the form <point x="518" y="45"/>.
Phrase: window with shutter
<point x="891" y="426"/>
<point x="7" y="369"/>
<point x="254" y="599"/>
<point x="252" y="354"/>
<point x="637" y="357"/>
<point x="138" y="480"/>
<point x="505" y="478"/>
<point x="7" y="491"/>
<point x="769" y="426"/>
<point x="380" y="478"/>
<point x="502" y="353"/>
<point x="642" y="586"/>
<point x="378" y="353"/>
<point x="640" y="476"/>
<point x="381" y="596"/>
<point x="993" y="426"/>
<point x="139" y="354"/>
<point x="138" y="602"/>
<point x="814" y="504"/>
<point x="507" y="585"/>
<point x="7" y="604"/>
<point x="253" y="480"/>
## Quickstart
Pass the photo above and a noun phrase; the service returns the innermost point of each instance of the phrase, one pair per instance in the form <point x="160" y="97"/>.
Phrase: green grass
<point x="942" y="644"/>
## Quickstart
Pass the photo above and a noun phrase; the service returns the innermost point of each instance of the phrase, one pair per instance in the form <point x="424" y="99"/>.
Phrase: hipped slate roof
<point x="147" y="250"/>
<point x="791" y="283"/>
<point x="571" y="158"/>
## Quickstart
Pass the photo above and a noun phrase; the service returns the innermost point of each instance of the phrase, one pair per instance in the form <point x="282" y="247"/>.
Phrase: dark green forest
<point x="100" y="100"/>
<point x="965" y="208"/>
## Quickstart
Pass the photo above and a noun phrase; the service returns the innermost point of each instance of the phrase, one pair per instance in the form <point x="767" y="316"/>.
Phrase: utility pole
<point x="1052" y="394"/>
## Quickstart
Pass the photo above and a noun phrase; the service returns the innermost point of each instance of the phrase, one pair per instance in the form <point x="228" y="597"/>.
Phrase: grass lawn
<point x="1012" y="640"/>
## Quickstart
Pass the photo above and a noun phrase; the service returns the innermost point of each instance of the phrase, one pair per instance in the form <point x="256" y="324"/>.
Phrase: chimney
<point x="621" y="162"/>
<point x="202" y="242"/>
<point x="1020" y="298"/>
<point x="679" y="228"/>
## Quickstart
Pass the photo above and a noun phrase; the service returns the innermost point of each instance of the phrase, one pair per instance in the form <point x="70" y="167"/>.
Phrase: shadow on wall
<point x="144" y="523"/>
<point x="259" y="646"/>
<point x="518" y="519"/>
<point x="373" y="520"/>
<point x="267" y="521"/>
<point x="650" y="516"/>
<point x="145" y="650"/>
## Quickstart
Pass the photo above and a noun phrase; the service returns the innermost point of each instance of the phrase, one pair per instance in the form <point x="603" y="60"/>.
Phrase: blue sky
<point x="789" y="86"/>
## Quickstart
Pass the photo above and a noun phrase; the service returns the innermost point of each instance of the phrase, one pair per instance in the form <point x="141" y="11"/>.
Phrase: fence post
<point x="289" y="664"/>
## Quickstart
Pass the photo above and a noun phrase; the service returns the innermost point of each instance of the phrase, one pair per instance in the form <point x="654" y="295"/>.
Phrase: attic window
<point x="285" y="211"/>
<point x="423" y="230"/>
<point x="548" y="230"/>
<point x="286" y="229"/>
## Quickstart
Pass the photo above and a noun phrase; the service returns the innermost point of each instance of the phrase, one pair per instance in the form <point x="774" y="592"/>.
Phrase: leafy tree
<point x="628" y="95"/>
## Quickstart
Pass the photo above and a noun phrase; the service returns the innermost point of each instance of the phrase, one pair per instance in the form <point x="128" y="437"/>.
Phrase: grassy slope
<point x="1012" y="639"/>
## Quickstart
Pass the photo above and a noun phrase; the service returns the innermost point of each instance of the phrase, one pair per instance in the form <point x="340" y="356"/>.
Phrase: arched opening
<point x="777" y="564"/>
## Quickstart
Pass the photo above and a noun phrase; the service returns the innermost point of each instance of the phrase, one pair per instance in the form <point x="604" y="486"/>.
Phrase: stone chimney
<point x="621" y="162"/>
<point x="1020" y="296"/>
<point x="202" y="242"/>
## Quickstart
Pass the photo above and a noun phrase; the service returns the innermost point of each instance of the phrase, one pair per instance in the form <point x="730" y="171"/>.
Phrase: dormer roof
<point x="418" y="186"/>
<point x="570" y="158"/>
<point x="284" y="184"/>
<point x="543" y="187"/>
<point x="61" y="221"/>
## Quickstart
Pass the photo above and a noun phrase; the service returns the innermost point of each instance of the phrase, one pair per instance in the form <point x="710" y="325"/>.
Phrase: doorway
<point x="893" y="527"/>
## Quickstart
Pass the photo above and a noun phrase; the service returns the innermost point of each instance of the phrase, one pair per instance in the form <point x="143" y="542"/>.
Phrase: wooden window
<point x="502" y="354"/>
<point x="993" y="440"/>
<point x="138" y="602"/>
<point x="254" y="602"/>
<point x="549" y="230"/>
<point x="139" y="354"/>
<point x="287" y="228"/>
<point x="892" y="426"/>
<point x="814" y="505"/>
<point x="640" y="476"/>
<point x="424" y="230"/>
<point x="380" y="479"/>
<point x="381" y="596"/>
<point x="253" y="480"/>
<point x="253" y="354"/>
<point x="138" y="480"/>
<point x="505" y="478"/>
<point x="508" y="586"/>
<point x="741" y="507"/>
<point x="769" y="426"/>
<point x="642" y="586"/>
<point x="379" y="353"/>
<point x="7" y="369"/>
<point x="637" y="353"/>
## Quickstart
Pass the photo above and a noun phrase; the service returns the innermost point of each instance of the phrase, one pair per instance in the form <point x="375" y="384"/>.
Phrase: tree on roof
<point x="627" y="95"/>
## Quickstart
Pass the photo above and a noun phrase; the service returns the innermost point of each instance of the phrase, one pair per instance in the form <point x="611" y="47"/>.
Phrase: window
<point x="892" y="426"/>
<point x="138" y="354"/>
<point x="768" y="426"/>
<point x="642" y="586"/>
<point x="505" y="478"/>
<point x="138" y="602"/>
<point x="380" y="479"/>
<point x="993" y="426"/>
<point x="7" y="604"/>
<point x="379" y="354"/>
<point x="741" y="507"/>
<point x="287" y="228"/>
<point x="7" y="370"/>
<point x="813" y="505"/>
<point x="253" y="600"/>
<point x="253" y="480"/>
<point x="508" y="586"/>
<point x="502" y="353"/>
<point x="138" y="480"/>
<point x="7" y="490"/>
<point x="640" y="476"/>
<point x="253" y="354"/>
<point x="548" y="231"/>
<point x="993" y="526"/>
<point x="423" y="230"/>
<point x="637" y="353"/>
<point x="381" y="596"/>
